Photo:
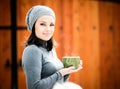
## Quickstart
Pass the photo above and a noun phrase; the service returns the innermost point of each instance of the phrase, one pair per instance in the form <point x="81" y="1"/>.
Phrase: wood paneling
<point x="5" y="59"/>
<point x="5" y="46"/>
<point x="86" y="42"/>
<point x="109" y="45"/>
<point x="5" y="13"/>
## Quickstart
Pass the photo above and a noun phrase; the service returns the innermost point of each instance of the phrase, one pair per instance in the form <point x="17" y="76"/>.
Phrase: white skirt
<point x="67" y="85"/>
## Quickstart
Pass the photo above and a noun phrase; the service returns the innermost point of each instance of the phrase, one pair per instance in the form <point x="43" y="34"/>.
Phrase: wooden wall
<point x="5" y="46"/>
<point x="109" y="45"/>
<point x="90" y="29"/>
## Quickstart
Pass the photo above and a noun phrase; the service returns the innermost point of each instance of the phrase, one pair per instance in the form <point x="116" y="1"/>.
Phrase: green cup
<point x="71" y="61"/>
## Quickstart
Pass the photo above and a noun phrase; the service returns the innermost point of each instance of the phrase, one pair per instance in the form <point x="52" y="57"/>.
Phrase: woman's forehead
<point x="46" y="18"/>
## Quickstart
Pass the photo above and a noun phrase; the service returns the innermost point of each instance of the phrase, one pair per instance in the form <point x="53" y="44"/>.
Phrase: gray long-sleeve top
<point x="41" y="67"/>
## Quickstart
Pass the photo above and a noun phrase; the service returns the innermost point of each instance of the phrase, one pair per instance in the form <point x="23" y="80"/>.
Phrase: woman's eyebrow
<point x="43" y="21"/>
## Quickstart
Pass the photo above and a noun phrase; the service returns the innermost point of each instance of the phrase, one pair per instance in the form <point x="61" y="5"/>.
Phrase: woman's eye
<point x="52" y="24"/>
<point x="42" y="24"/>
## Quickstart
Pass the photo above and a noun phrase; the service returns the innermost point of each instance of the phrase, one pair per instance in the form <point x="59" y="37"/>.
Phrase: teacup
<point x="71" y="61"/>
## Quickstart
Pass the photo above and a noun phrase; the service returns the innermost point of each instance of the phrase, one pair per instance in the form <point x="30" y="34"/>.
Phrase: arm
<point x="32" y="64"/>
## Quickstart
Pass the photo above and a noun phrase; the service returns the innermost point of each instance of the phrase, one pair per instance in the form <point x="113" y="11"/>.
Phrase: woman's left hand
<point x="71" y="69"/>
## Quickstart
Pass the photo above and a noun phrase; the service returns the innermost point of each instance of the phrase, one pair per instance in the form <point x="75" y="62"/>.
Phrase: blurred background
<point x="86" y="28"/>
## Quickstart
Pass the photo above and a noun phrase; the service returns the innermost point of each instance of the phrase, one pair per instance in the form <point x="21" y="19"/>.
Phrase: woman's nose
<point x="48" y="28"/>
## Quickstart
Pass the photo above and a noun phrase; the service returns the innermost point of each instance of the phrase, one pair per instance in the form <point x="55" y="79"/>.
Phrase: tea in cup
<point x="71" y="61"/>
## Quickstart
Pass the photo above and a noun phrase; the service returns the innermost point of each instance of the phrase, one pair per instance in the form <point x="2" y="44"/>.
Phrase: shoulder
<point x="31" y="54"/>
<point x="32" y="50"/>
<point x="31" y="47"/>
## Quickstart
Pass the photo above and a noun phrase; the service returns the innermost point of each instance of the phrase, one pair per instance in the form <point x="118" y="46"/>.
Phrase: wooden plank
<point x="5" y="59"/>
<point x="5" y="19"/>
<point x="67" y="27"/>
<point x="109" y="41"/>
<point x="116" y="46"/>
<point x="106" y="45"/>
<point x="58" y="27"/>
<point x="92" y="33"/>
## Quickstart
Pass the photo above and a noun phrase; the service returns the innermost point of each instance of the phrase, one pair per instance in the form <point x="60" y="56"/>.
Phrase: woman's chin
<point x="46" y="39"/>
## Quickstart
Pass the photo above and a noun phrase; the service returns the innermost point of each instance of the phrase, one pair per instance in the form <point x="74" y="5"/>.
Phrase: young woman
<point x="42" y="68"/>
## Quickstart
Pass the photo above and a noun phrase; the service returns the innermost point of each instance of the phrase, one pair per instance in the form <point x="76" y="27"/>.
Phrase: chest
<point x="50" y="64"/>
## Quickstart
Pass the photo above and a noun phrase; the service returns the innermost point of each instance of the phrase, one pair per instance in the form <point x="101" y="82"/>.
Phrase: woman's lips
<point x="47" y="34"/>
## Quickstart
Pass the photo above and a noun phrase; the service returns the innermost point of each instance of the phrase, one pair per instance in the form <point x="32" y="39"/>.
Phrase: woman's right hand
<point x="70" y="70"/>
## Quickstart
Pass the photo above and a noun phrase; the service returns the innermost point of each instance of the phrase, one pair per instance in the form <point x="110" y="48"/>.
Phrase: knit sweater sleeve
<point x="32" y="65"/>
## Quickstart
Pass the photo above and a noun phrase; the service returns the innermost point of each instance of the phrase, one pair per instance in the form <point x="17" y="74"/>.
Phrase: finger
<point x="71" y="68"/>
<point x="81" y="62"/>
<point x="79" y="68"/>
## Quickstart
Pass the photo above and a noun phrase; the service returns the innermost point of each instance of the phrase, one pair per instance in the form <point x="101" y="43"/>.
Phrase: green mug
<point x="71" y="61"/>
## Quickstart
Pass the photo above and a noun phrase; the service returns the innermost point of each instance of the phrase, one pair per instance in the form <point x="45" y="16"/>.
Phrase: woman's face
<point x="44" y="27"/>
